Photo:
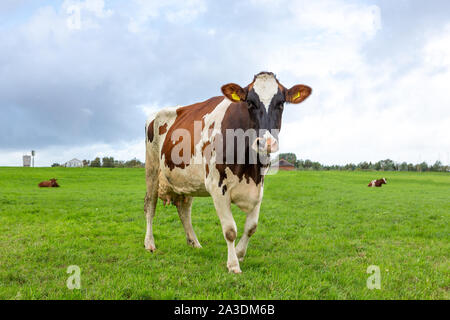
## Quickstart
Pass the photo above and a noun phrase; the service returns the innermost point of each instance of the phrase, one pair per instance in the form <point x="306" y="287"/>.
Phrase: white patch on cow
<point x="384" y="179"/>
<point x="265" y="87"/>
<point x="215" y="117"/>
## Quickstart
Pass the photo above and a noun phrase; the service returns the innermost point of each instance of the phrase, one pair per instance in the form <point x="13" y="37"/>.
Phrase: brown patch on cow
<point x="207" y="151"/>
<point x="163" y="129"/>
<point x="150" y="132"/>
<point x="211" y="127"/>
<point x="222" y="173"/>
<point x="205" y="145"/>
<point x="252" y="230"/>
<point x="207" y="170"/>
<point x="224" y="189"/>
<point x="230" y="235"/>
<point x="185" y="120"/>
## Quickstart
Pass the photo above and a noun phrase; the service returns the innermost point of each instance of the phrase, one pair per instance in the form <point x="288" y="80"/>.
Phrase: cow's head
<point x="265" y="98"/>
<point x="383" y="181"/>
<point x="54" y="183"/>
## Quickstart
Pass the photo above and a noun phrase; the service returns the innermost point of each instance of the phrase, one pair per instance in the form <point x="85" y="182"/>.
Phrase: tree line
<point x="110" y="162"/>
<point x="300" y="164"/>
<point x="382" y="165"/>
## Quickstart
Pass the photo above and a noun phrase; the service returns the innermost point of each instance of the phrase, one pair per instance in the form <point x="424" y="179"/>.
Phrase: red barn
<point x="284" y="165"/>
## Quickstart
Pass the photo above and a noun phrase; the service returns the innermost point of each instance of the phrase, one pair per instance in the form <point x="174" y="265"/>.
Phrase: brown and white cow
<point x="48" y="184"/>
<point x="377" y="183"/>
<point x="218" y="148"/>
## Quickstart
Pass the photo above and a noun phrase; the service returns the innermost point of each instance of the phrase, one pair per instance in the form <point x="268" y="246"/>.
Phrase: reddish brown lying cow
<point x="377" y="183"/>
<point x="49" y="184"/>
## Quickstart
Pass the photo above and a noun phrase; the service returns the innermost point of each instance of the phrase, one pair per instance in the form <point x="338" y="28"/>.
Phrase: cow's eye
<point x="280" y="105"/>
<point x="250" y="104"/>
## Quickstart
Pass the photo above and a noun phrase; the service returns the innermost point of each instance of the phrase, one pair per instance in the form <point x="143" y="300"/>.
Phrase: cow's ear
<point x="297" y="93"/>
<point x="234" y="92"/>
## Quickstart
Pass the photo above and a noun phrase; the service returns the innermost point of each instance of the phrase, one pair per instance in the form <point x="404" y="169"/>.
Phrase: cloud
<point x="69" y="91"/>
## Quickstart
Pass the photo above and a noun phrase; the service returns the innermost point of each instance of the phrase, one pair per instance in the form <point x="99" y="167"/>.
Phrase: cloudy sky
<point x="79" y="78"/>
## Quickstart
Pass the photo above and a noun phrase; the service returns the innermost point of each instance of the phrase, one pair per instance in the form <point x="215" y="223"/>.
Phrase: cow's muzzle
<point x="265" y="145"/>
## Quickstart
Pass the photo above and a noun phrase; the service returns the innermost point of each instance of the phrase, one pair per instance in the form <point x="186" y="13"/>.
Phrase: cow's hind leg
<point x="149" y="208"/>
<point x="251" y="222"/>
<point x="184" y="212"/>
<point x="151" y="198"/>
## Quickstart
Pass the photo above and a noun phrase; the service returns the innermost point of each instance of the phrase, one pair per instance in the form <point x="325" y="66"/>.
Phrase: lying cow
<point x="377" y="183"/>
<point x="189" y="154"/>
<point x="49" y="184"/>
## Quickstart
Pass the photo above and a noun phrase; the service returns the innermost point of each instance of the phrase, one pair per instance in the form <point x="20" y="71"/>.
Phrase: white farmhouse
<point x="74" y="163"/>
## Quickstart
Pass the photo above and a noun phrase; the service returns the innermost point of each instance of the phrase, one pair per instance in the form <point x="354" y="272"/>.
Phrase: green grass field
<point x="318" y="232"/>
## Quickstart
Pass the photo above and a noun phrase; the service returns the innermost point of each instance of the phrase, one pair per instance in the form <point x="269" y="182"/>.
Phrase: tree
<point x="363" y="165"/>
<point x="307" y="164"/>
<point x="377" y="165"/>
<point x="291" y="157"/>
<point x="119" y="164"/>
<point x="134" y="163"/>
<point x="316" y="166"/>
<point x="96" y="162"/>
<point x="56" y="165"/>
<point x="387" y="165"/>
<point x="299" y="164"/>
<point x="437" y="166"/>
<point x="108" y="162"/>
<point x="403" y="166"/>
<point x="86" y="163"/>
<point x="350" y="166"/>
<point x="423" y="166"/>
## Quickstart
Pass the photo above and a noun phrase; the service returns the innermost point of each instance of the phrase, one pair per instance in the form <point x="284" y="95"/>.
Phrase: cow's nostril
<point x="272" y="145"/>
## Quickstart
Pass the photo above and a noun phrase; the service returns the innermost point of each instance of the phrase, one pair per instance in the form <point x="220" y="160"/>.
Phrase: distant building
<point x="283" y="165"/>
<point x="27" y="161"/>
<point x="74" y="163"/>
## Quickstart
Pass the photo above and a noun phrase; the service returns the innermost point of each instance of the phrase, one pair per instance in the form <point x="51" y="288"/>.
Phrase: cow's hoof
<point x="240" y="255"/>
<point x="150" y="247"/>
<point x="193" y="243"/>
<point x="234" y="269"/>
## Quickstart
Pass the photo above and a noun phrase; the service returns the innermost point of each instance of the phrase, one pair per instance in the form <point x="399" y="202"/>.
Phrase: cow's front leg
<point x="251" y="222"/>
<point x="222" y="204"/>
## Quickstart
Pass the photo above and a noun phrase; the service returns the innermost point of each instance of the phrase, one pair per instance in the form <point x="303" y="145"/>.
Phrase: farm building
<point x="283" y="165"/>
<point x="26" y="161"/>
<point x="74" y="163"/>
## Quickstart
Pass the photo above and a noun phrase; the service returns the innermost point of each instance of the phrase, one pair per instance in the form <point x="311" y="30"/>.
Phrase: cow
<point x="189" y="154"/>
<point x="48" y="184"/>
<point x="377" y="183"/>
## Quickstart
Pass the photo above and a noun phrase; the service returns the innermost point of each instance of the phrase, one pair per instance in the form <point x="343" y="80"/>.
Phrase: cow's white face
<point x="265" y="87"/>
<point x="265" y="98"/>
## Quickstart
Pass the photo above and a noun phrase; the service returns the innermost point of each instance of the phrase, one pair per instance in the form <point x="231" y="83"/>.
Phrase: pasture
<point x="318" y="232"/>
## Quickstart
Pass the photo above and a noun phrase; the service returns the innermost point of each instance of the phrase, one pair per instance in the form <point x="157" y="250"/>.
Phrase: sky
<point x="78" y="79"/>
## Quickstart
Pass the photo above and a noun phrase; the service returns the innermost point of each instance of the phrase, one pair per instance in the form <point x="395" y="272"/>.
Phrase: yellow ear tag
<point x="235" y="96"/>
<point x="296" y="96"/>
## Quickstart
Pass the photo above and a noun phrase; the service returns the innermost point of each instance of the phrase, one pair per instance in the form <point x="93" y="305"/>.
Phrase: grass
<point x="318" y="232"/>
